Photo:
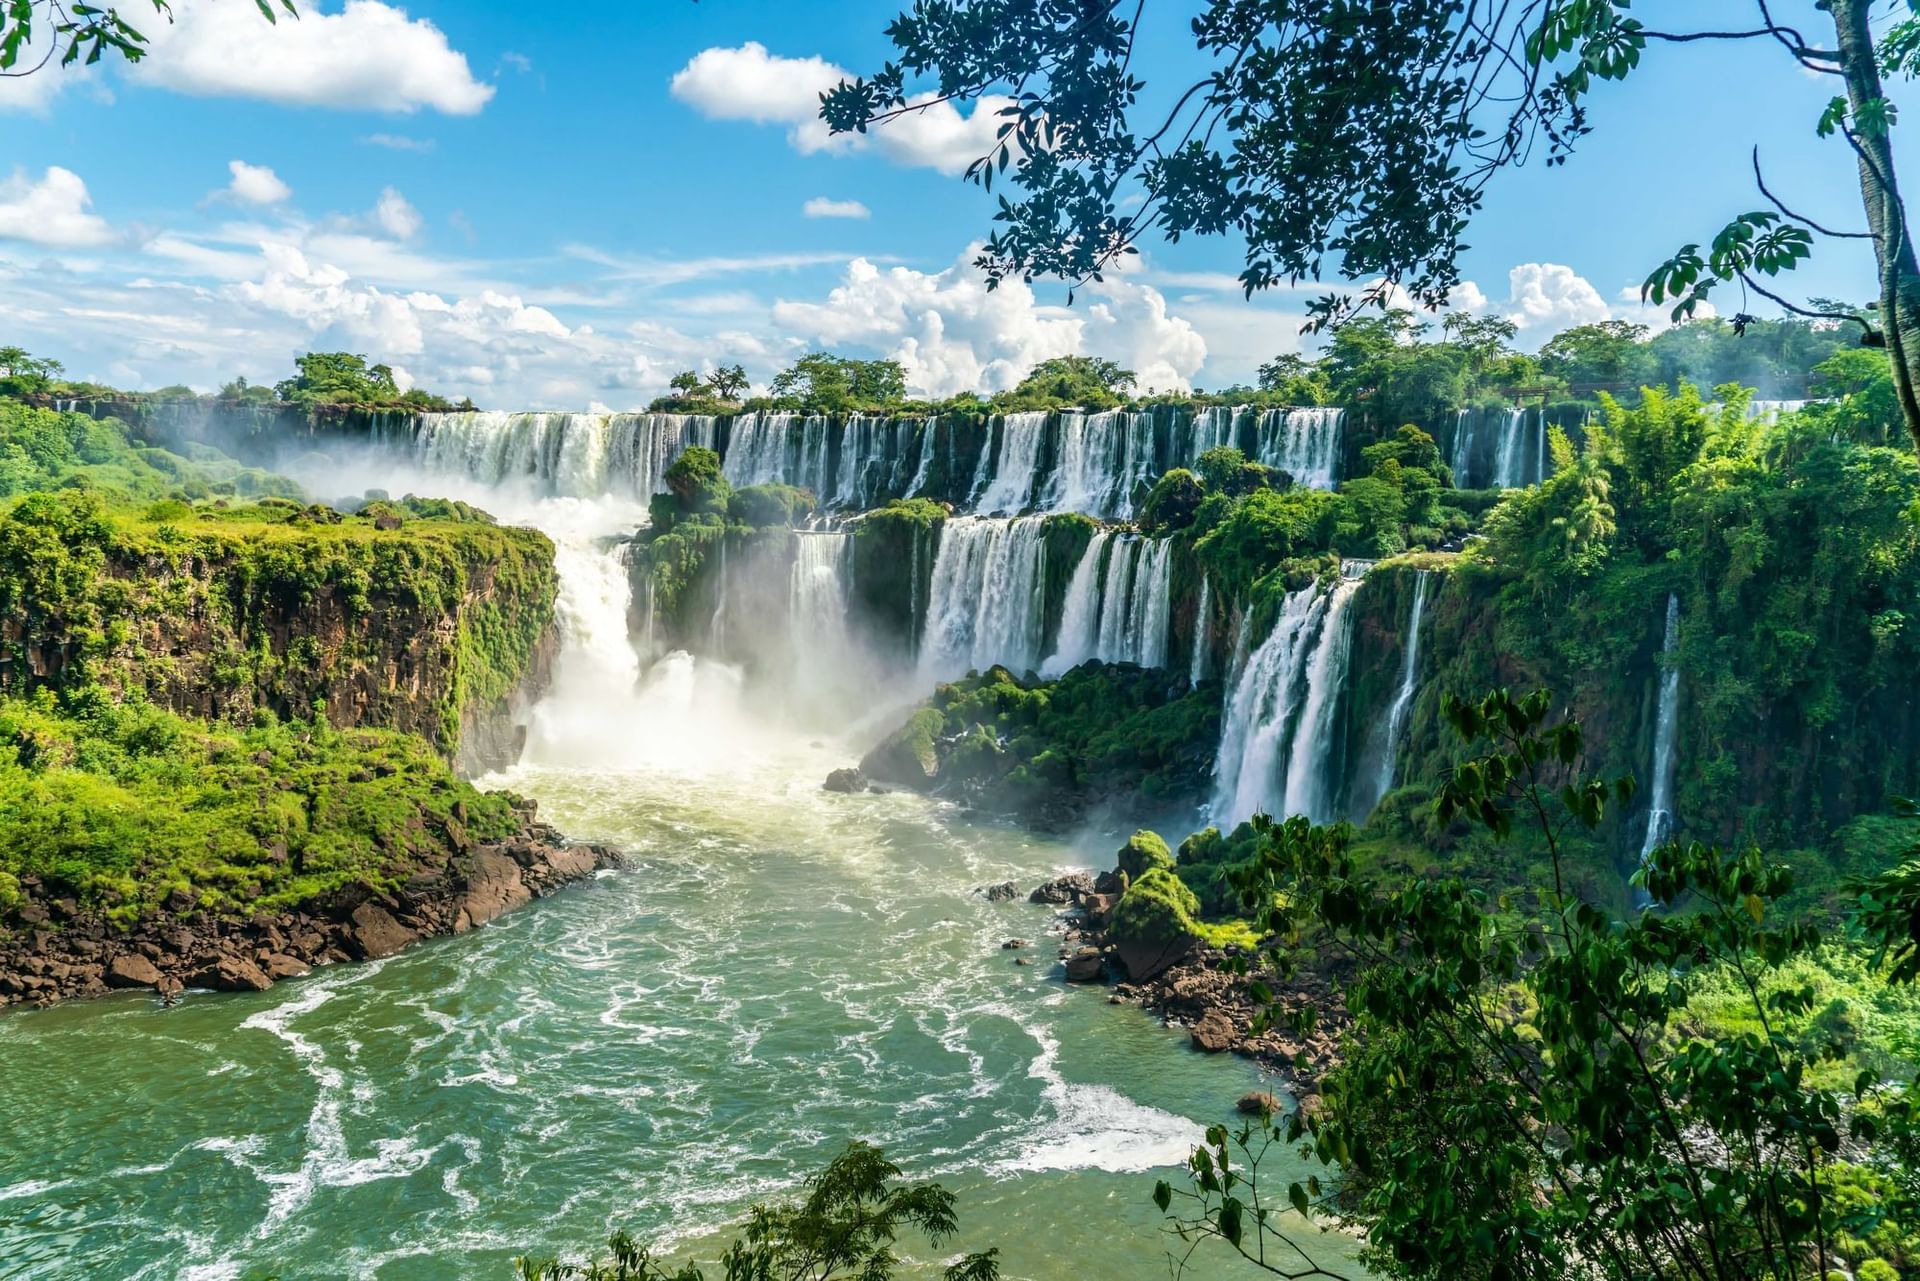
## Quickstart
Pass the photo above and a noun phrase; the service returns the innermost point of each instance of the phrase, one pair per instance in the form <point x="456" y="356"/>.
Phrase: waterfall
<point x="1660" y="802"/>
<point x="1213" y="428"/>
<point x="757" y="449"/>
<point x="1304" y="442"/>
<point x="1202" y="632"/>
<point x="1387" y="738"/>
<point x="929" y="437"/>
<point x="1012" y="484"/>
<point x="1463" y="440"/>
<point x="1118" y="606"/>
<point x="565" y="455"/>
<point x="984" y="600"/>
<point x="818" y="597"/>
<point x="1102" y="457"/>
<point x="1282" y="723"/>
<point x="1080" y="615"/>
<point x="1515" y="465"/>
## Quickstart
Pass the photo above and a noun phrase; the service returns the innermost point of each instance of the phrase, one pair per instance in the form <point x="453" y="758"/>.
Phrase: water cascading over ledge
<point x="1118" y="605"/>
<point x="1280" y="745"/>
<point x="1098" y="464"/>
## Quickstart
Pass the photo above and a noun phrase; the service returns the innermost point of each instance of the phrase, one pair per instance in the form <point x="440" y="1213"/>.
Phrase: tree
<point x="829" y="384"/>
<point x="1358" y="139"/>
<point x="686" y="384"/>
<point x="1089" y="381"/>
<point x="729" y="382"/>
<point x="24" y="374"/>
<point x="1524" y="1094"/>
<point x="843" y="1230"/>
<point x="74" y="32"/>
<point x="1611" y="351"/>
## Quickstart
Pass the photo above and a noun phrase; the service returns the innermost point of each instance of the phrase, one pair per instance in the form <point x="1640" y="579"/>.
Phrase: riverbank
<point x="61" y="952"/>
<point x="1207" y="991"/>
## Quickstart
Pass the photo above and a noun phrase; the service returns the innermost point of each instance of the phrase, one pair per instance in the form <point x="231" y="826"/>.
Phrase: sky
<point x="543" y="212"/>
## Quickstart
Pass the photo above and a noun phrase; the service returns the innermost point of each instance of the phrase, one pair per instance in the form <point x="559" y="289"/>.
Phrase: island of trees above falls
<point x="1622" y="968"/>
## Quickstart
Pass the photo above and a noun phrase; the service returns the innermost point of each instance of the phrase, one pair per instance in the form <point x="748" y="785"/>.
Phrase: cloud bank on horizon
<point x="248" y="278"/>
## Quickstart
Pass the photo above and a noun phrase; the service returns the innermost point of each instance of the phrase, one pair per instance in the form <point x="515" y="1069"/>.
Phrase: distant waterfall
<point x="1202" y="633"/>
<point x="1282" y="723"/>
<point x="1010" y="484"/>
<point x="984" y="600"/>
<point x="1119" y="605"/>
<point x="1508" y="452"/>
<point x="1305" y="443"/>
<point x="1660" y="801"/>
<point x="929" y="438"/>
<point x="566" y="455"/>
<point x="1386" y="745"/>
<point x="1213" y="428"/>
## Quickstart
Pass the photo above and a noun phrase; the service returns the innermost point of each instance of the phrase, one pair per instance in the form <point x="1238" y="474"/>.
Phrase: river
<point x="777" y="971"/>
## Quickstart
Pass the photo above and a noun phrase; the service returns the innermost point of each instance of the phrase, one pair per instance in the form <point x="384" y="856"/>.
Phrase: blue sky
<point x="542" y="216"/>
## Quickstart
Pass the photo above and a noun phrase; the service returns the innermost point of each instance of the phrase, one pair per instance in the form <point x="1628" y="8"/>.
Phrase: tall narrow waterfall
<point x="984" y="602"/>
<point x="1016" y="467"/>
<point x="1385" y="748"/>
<point x="1522" y="450"/>
<point x="1213" y="428"/>
<point x="1505" y="453"/>
<point x="1202" y="633"/>
<point x="1461" y="460"/>
<point x="1305" y="443"/>
<point x="1660" y="800"/>
<point x="817" y="605"/>
<point x="1282" y="725"/>
<point x="1119" y="604"/>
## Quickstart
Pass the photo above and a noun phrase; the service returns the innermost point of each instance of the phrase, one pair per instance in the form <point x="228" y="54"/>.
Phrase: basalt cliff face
<point x="438" y="628"/>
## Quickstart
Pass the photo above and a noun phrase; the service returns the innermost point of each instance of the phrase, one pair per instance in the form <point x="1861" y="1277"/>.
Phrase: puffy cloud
<point x="749" y="83"/>
<point x="953" y="334"/>
<point x="821" y="207"/>
<point x="1545" y="298"/>
<point x="255" y="184"/>
<point x="53" y="211"/>
<point x="396" y="217"/>
<point x="368" y="57"/>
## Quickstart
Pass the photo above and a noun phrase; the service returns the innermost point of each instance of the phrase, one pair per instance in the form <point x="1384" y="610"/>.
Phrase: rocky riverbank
<point x="58" y="952"/>
<point x="1194" y="987"/>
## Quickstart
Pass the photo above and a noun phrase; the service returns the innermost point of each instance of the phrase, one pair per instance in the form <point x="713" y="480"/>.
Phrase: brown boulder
<point x="571" y="862"/>
<point x="494" y="885"/>
<point x="1099" y="908"/>
<point x="231" y="974"/>
<point x="1259" y="1103"/>
<point x="1214" y="1033"/>
<point x="130" y="969"/>
<point x="278" y="965"/>
<point x="373" y="933"/>
<point x="1084" y="966"/>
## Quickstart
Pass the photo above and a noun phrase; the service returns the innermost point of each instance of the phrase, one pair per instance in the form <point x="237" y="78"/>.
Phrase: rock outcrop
<point x="187" y="948"/>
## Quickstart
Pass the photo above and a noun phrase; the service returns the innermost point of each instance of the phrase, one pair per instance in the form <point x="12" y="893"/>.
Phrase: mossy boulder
<point x="910" y="755"/>
<point x="1143" y="852"/>
<point x="1156" y="924"/>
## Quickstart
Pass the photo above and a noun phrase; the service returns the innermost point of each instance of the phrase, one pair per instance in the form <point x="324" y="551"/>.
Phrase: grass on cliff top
<point x="118" y="805"/>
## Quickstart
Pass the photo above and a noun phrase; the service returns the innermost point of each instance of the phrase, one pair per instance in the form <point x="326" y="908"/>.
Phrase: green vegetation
<point x="1535" y="1088"/>
<point x="1408" y="120"/>
<point x="118" y="805"/>
<point x="845" y="1228"/>
<point x="339" y="378"/>
<point x="43" y="449"/>
<point x="1050" y="750"/>
<point x="1158" y="911"/>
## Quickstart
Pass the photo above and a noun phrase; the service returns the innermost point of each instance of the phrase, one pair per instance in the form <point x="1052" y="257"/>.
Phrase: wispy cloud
<point x="398" y="142"/>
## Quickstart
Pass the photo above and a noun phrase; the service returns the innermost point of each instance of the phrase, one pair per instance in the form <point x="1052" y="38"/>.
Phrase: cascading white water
<point x="1463" y="444"/>
<point x="1102" y="457"/>
<point x="1387" y="744"/>
<point x="1118" y="607"/>
<point x="1202" y="633"/>
<point x="1303" y="442"/>
<point x="568" y="455"/>
<point x="929" y="437"/>
<point x="1521" y="455"/>
<point x="1213" y="428"/>
<point x="1016" y="469"/>
<point x="1660" y="801"/>
<point x="984" y="601"/>
<point x="1080" y="613"/>
<point x="1282" y="715"/>
<point x="824" y="652"/>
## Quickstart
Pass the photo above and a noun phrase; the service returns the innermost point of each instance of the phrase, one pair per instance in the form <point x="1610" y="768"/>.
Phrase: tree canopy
<point x="1357" y="140"/>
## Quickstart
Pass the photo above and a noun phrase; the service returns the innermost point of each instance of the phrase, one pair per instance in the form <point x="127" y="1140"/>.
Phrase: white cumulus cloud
<point x="256" y="184"/>
<point x="54" y="211"/>
<point x="1545" y="298"/>
<point x="821" y="207"/>
<point x="750" y="83"/>
<point x="952" y="334"/>
<point x="367" y="57"/>
<point x="396" y="216"/>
